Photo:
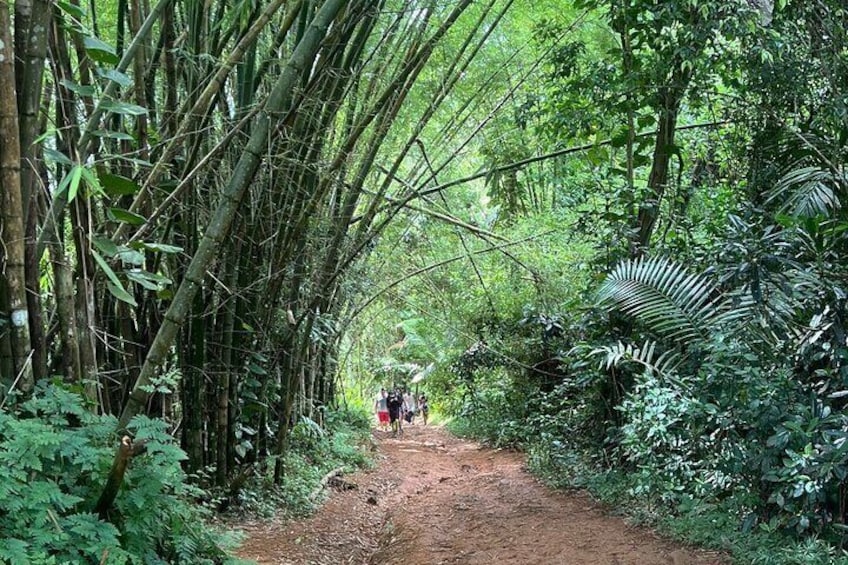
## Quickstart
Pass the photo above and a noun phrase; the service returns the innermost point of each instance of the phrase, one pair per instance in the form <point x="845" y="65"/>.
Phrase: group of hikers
<point x="397" y="406"/>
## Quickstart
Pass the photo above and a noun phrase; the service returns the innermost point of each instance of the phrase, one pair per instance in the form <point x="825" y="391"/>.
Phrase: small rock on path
<point x="434" y="499"/>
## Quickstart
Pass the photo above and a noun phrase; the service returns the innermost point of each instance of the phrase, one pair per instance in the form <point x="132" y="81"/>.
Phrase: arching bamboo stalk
<point x="278" y="103"/>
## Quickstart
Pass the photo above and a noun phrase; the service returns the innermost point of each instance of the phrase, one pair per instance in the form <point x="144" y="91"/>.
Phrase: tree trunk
<point x="84" y="295"/>
<point x="649" y="210"/>
<point x="31" y="46"/>
<point x="126" y="451"/>
<point x="64" y="284"/>
<point x="7" y="366"/>
<point x="193" y="386"/>
<point x="223" y="423"/>
<point x="12" y="234"/>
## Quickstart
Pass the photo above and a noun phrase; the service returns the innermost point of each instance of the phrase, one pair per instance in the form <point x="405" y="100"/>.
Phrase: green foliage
<point x="313" y="451"/>
<point x="614" y="356"/>
<point x="660" y="438"/>
<point x="705" y="379"/>
<point x="497" y="415"/>
<point x="55" y="456"/>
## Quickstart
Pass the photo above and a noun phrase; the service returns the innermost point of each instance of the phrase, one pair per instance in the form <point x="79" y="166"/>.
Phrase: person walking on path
<point x="424" y="407"/>
<point x="395" y="403"/>
<point x="409" y="408"/>
<point x="382" y="408"/>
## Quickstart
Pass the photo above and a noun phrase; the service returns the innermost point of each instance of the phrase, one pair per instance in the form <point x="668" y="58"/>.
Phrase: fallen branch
<point x="323" y="484"/>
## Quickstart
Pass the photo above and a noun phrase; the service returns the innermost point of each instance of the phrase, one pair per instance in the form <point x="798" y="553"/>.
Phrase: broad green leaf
<point x="116" y="185"/>
<point x="130" y="257"/>
<point x="646" y="120"/>
<point x="100" y="51"/>
<point x="114" y="285"/>
<point x="57" y="157"/>
<point x="92" y="181"/>
<point x="63" y="185"/>
<point x="123" y="108"/>
<point x="121" y="294"/>
<point x="105" y="245"/>
<point x="597" y="155"/>
<point x="48" y="132"/>
<point x="138" y="278"/>
<point x="82" y="90"/>
<point x="115" y="76"/>
<point x="106" y="268"/>
<point x="113" y="135"/>
<point x="150" y="281"/>
<point x="619" y="139"/>
<point x="160" y="247"/>
<point x="125" y="216"/>
<point x="72" y="10"/>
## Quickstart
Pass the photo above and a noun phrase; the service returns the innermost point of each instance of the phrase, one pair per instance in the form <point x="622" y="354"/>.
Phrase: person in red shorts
<point x="382" y="409"/>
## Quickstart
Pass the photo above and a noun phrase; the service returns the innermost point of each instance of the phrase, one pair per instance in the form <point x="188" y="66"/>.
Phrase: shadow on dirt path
<point x="435" y="499"/>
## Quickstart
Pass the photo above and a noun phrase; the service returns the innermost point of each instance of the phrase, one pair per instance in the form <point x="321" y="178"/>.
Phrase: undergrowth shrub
<point x="739" y="454"/>
<point x="55" y="456"/>
<point x="661" y="440"/>
<point x="313" y="451"/>
<point x="497" y="414"/>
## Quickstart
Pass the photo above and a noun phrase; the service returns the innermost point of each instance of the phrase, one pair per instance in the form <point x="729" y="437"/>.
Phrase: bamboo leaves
<point x="114" y="285"/>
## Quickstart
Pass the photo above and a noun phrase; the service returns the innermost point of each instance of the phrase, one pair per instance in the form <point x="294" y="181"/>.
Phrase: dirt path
<point x="435" y="499"/>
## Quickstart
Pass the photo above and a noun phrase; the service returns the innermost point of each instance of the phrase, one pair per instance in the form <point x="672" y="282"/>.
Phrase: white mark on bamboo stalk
<point x="19" y="318"/>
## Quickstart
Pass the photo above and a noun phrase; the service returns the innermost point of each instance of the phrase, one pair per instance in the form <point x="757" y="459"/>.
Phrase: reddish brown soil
<point x="435" y="499"/>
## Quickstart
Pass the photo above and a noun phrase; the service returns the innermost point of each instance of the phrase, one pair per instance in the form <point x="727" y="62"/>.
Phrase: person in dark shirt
<point x="395" y="404"/>
<point x="424" y="407"/>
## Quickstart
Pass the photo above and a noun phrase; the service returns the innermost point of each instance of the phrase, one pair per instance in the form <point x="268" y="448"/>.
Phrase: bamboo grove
<point x="187" y="187"/>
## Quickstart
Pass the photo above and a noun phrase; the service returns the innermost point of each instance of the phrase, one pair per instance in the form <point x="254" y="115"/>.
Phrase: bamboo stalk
<point x="12" y="234"/>
<point x="279" y="102"/>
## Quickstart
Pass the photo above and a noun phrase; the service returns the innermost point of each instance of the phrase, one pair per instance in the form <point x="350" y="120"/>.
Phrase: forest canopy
<point x="605" y="232"/>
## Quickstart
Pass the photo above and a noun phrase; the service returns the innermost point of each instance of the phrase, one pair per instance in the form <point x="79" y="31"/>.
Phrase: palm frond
<point x="808" y="192"/>
<point x="664" y="296"/>
<point x="620" y="353"/>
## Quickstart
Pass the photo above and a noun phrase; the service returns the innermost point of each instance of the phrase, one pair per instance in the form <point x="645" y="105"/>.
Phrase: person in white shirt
<point x="382" y="410"/>
<point x="408" y="407"/>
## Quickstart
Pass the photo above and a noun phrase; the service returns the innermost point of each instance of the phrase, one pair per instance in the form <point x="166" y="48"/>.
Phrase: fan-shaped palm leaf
<point x="664" y="296"/>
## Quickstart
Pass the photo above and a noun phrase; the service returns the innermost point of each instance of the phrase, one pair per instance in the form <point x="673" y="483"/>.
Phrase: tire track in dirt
<point x="434" y="499"/>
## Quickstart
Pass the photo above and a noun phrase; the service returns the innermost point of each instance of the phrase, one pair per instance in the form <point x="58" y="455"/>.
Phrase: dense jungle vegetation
<point x="607" y="232"/>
